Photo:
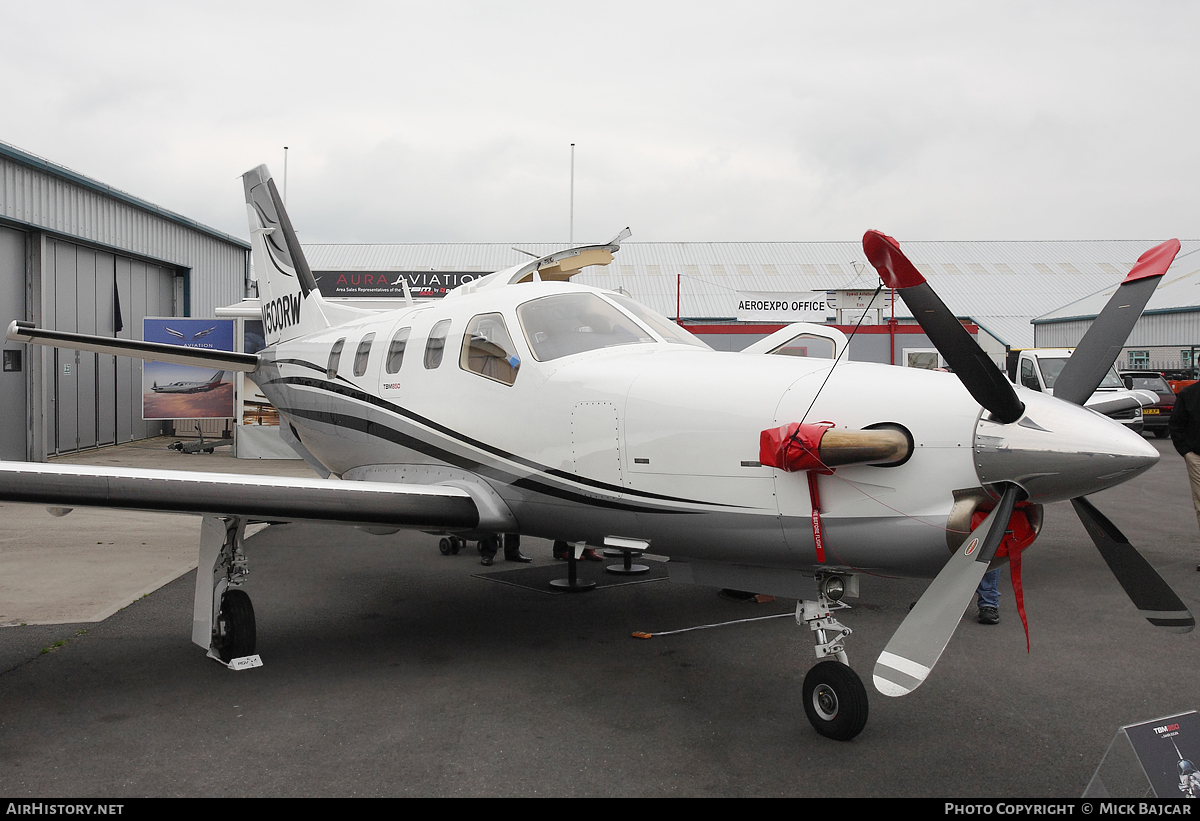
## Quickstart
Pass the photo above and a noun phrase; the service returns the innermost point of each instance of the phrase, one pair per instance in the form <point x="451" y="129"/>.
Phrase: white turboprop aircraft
<point x="522" y="403"/>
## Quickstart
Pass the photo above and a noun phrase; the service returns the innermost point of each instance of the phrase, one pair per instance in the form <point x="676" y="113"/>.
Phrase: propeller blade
<point x="989" y="387"/>
<point x="1152" y="596"/>
<point x="919" y="641"/>
<point x="1102" y="343"/>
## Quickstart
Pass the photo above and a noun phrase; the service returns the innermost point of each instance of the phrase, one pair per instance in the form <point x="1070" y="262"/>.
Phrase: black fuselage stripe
<point x="387" y="433"/>
<point x="383" y="404"/>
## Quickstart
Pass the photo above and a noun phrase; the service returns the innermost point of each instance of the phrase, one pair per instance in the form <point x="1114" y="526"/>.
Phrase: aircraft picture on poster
<point x="173" y="391"/>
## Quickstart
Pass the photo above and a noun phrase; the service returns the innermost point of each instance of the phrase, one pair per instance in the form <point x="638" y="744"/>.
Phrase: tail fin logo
<point x="281" y="313"/>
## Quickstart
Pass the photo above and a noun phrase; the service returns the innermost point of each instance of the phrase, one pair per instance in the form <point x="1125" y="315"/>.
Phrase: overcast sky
<point x="452" y="121"/>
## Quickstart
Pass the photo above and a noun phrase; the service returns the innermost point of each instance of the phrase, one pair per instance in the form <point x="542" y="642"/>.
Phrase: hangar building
<point x="1167" y="337"/>
<point x="996" y="287"/>
<point x="79" y="255"/>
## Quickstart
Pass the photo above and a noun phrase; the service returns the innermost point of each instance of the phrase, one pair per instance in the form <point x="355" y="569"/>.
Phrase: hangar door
<point x="97" y="398"/>
<point x="12" y="378"/>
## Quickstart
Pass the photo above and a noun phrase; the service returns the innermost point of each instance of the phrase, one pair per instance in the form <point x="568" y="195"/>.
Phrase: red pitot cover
<point x="793" y="447"/>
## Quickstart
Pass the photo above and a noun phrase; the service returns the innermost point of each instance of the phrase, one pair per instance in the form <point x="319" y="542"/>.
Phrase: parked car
<point x="1156" y="417"/>
<point x="1038" y="368"/>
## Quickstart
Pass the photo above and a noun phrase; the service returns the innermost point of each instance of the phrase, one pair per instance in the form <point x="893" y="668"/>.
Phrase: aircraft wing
<point x="421" y="507"/>
<point x="20" y="331"/>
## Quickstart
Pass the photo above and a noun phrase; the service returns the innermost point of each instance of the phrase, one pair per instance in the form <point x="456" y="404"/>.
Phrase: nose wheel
<point x="835" y="700"/>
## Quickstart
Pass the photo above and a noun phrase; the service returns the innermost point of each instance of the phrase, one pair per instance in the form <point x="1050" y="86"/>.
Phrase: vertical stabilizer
<point x="291" y="304"/>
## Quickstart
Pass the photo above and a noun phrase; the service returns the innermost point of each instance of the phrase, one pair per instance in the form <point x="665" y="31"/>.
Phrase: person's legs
<point x="988" y="597"/>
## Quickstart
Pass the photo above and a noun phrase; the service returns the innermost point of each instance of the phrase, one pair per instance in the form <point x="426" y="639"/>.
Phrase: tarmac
<point x="392" y="670"/>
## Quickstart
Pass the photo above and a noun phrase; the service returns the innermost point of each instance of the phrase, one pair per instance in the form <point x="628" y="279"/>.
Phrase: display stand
<point x="571" y="583"/>
<point x="627" y="567"/>
<point x="1151" y="759"/>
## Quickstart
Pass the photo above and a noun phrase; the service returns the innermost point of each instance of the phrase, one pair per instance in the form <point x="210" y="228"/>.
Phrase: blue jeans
<point x="988" y="592"/>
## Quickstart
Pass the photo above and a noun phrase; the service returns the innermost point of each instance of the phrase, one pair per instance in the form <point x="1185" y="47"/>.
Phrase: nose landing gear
<point x="835" y="699"/>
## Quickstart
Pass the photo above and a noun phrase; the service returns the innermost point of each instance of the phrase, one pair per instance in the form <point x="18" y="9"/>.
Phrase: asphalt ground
<point x="391" y="670"/>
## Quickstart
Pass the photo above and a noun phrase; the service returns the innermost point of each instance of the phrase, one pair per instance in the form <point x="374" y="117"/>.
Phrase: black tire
<point x="444" y="547"/>
<point x="835" y="700"/>
<point x="234" y="635"/>
<point x="456" y="544"/>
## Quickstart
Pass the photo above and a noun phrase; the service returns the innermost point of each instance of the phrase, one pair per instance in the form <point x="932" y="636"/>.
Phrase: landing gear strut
<point x="223" y="617"/>
<point x="835" y="699"/>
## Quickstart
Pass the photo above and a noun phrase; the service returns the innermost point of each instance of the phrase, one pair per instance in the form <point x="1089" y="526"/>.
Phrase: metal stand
<point x="627" y="567"/>
<point x="571" y="583"/>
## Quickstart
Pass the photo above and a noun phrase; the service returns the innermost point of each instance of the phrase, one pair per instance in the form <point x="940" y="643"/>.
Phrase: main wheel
<point x="235" y="634"/>
<point x="444" y="546"/>
<point x="835" y="700"/>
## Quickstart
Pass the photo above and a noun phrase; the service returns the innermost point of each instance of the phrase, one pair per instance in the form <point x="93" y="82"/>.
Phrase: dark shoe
<point x="516" y="556"/>
<point x="562" y="551"/>
<point x="989" y="615"/>
<point x="486" y="561"/>
<point x="590" y="555"/>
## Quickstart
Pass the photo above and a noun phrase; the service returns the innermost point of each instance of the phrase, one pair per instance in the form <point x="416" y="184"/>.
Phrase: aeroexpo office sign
<point x="780" y="308"/>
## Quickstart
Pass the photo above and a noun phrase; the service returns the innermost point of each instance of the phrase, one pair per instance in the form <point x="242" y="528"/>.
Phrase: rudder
<point x="291" y="304"/>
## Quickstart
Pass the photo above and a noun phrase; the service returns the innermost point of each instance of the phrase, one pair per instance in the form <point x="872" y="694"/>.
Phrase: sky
<point x="692" y="121"/>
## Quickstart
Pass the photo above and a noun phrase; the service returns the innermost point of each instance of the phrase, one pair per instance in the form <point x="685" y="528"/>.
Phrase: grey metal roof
<point x="11" y="152"/>
<point x="1000" y="285"/>
<point x="1178" y="292"/>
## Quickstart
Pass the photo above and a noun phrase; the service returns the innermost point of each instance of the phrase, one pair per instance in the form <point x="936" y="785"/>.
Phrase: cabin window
<point x="812" y="345"/>
<point x="363" y="354"/>
<point x="395" y="355"/>
<point x="435" y="346"/>
<point x="488" y="350"/>
<point x="335" y="355"/>
<point x="668" y="330"/>
<point x="567" y="324"/>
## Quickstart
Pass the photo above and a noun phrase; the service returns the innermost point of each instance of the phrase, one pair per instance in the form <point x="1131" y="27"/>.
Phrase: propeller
<point x="989" y="387"/>
<point x="919" y="641"/>
<point x="1102" y="343"/>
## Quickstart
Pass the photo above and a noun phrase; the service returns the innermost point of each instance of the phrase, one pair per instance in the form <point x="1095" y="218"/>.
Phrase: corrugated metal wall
<point x="56" y="200"/>
<point x="83" y="240"/>
<point x="96" y="399"/>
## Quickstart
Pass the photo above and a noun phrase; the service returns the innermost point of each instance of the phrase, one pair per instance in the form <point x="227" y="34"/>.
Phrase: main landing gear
<point x="223" y="617"/>
<point x="835" y="699"/>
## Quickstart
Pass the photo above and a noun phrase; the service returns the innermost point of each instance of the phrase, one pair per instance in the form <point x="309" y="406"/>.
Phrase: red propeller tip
<point x="1155" y="262"/>
<point x="894" y="268"/>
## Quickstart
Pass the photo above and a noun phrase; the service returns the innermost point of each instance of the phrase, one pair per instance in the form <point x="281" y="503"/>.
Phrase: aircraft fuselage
<point x="651" y="440"/>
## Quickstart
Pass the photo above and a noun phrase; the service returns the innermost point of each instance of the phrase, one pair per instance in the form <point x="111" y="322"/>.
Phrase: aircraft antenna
<point x="857" y="325"/>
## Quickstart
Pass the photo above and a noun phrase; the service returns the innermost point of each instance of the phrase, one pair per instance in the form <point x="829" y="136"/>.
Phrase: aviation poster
<point x="184" y="391"/>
